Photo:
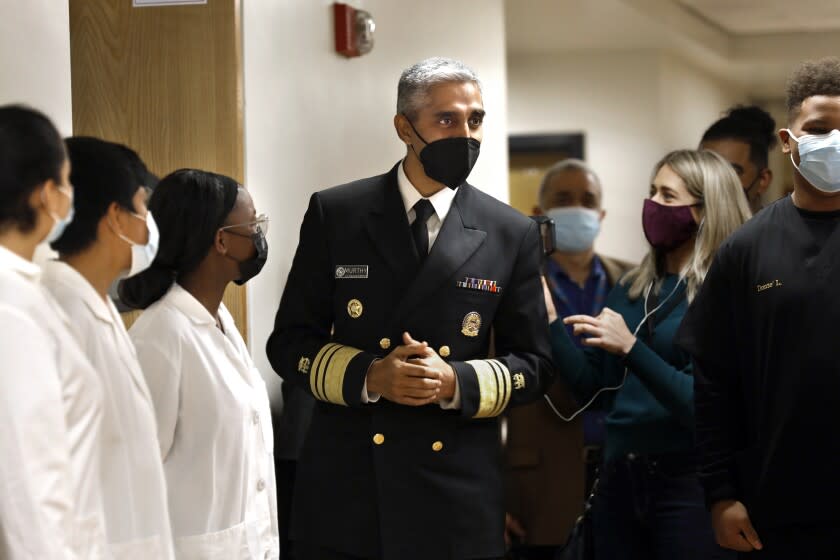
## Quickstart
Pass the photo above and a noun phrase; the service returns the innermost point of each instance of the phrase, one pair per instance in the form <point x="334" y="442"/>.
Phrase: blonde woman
<point x="648" y="503"/>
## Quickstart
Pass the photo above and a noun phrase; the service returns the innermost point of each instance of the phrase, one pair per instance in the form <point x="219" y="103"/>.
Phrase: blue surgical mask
<point x="60" y="224"/>
<point x="819" y="159"/>
<point x="575" y="228"/>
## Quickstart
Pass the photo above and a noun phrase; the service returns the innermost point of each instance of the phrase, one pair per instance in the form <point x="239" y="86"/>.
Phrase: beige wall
<point x="779" y="163"/>
<point x="632" y="105"/>
<point x="35" y="63"/>
<point x="35" y="58"/>
<point x="314" y="119"/>
<point x="691" y="100"/>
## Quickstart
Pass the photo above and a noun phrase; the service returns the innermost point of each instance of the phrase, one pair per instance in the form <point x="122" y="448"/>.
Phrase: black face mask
<point x="448" y="160"/>
<point x="251" y="267"/>
<point x="753" y="200"/>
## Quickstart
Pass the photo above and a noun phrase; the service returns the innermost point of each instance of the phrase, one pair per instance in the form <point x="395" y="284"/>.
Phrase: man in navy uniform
<point x="386" y="319"/>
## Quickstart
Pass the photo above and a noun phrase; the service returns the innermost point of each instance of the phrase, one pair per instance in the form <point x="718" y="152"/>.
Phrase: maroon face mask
<point x="667" y="227"/>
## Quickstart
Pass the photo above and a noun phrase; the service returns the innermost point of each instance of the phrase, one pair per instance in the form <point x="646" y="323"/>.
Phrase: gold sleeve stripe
<point x="493" y="387"/>
<point x="335" y="370"/>
<point x="487" y="388"/>
<point x="327" y="375"/>
<point x="324" y="368"/>
<point x="316" y="373"/>
<point x="504" y="381"/>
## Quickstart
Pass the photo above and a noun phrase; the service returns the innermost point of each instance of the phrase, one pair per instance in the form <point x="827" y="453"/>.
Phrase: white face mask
<point x="142" y="256"/>
<point x="819" y="159"/>
<point x="60" y="224"/>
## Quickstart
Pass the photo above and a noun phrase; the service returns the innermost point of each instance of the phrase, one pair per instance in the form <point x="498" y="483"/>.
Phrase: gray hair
<point x="416" y="81"/>
<point x="570" y="164"/>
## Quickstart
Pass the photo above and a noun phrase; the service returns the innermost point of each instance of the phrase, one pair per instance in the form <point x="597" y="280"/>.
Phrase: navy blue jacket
<point x="386" y="480"/>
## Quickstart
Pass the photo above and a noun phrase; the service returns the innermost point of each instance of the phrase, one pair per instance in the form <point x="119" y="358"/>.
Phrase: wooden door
<point x="166" y="81"/>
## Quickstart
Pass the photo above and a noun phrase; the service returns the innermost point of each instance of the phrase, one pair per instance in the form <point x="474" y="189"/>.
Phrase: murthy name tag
<point x="349" y="271"/>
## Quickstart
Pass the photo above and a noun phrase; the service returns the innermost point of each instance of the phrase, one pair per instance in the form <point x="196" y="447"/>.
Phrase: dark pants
<point x="533" y="553"/>
<point x="652" y="509"/>
<point x="306" y="551"/>
<point x="285" y="474"/>
<point x="808" y="542"/>
<point x="593" y="459"/>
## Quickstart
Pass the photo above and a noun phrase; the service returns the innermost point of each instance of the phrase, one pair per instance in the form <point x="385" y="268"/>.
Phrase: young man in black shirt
<point x="763" y="333"/>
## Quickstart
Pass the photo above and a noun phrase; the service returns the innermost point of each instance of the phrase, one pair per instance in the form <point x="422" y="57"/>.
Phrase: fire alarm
<point x="353" y="30"/>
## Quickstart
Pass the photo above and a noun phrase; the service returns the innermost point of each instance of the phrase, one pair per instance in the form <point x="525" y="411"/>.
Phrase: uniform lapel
<point x="457" y="241"/>
<point x="387" y="226"/>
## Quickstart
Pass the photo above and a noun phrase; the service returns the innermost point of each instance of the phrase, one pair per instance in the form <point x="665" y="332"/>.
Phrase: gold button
<point x="444" y="351"/>
<point x="437" y="446"/>
<point x="385" y="343"/>
<point x="378" y="439"/>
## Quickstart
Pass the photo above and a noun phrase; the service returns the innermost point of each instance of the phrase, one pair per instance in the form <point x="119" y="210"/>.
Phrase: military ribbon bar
<point x="480" y="284"/>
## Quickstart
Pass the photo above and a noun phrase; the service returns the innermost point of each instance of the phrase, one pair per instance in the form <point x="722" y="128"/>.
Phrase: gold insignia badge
<point x="518" y="381"/>
<point x="303" y="364"/>
<point x="385" y="343"/>
<point x="354" y="308"/>
<point x="444" y="351"/>
<point x="471" y="324"/>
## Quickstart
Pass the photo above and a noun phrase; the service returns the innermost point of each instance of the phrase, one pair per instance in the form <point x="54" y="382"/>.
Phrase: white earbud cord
<point x="624" y="377"/>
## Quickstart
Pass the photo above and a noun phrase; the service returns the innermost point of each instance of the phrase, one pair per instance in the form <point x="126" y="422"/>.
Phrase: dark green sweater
<point x="653" y="412"/>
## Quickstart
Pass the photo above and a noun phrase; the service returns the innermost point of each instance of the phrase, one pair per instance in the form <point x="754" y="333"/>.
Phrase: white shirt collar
<point x="12" y="261"/>
<point x="188" y="305"/>
<point x="61" y="272"/>
<point x="441" y="200"/>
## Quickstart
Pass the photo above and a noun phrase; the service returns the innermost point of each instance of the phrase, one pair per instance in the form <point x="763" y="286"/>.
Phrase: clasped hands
<point x="412" y="374"/>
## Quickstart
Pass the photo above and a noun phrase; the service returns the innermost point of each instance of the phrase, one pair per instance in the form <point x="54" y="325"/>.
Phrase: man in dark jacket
<point x="550" y="463"/>
<point x="396" y="285"/>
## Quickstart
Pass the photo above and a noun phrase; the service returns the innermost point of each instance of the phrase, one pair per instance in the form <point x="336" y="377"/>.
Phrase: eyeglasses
<point x="260" y="225"/>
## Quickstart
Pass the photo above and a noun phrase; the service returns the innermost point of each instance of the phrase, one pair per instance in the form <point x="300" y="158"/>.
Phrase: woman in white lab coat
<point x="210" y="401"/>
<point x="50" y="396"/>
<point x="112" y="234"/>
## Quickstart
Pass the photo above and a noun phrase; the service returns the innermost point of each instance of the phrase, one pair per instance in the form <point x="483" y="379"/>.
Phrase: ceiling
<point x="742" y="17"/>
<point x="545" y="25"/>
<point x="752" y="42"/>
<point x="550" y="25"/>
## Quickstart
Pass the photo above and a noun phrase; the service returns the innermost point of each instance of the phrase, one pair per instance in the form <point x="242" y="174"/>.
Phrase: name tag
<point x="347" y="271"/>
<point x="772" y="284"/>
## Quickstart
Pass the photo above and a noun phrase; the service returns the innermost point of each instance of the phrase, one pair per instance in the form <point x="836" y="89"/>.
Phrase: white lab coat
<point x="214" y="428"/>
<point x="133" y="485"/>
<point x="51" y="401"/>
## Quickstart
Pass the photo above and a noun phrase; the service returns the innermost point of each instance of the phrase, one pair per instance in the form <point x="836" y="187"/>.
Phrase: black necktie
<point x="423" y="209"/>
